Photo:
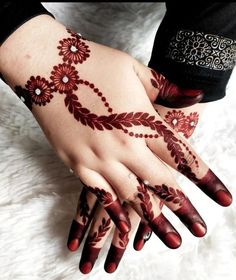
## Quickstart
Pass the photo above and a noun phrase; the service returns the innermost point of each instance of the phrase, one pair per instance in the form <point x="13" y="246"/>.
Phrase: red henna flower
<point x="40" y="90"/>
<point x="65" y="78"/>
<point x="73" y="50"/>
<point x="175" y="119"/>
<point x="189" y="124"/>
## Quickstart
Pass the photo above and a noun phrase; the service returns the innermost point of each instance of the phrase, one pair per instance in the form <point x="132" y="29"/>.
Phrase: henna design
<point x="78" y="229"/>
<point x="160" y="225"/>
<point x="146" y="204"/>
<point x="102" y="230"/>
<point x="124" y="239"/>
<point x="83" y="206"/>
<point x="73" y="50"/>
<point x="40" y="90"/>
<point x="65" y="78"/>
<point x="113" y="258"/>
<point x="142" y="235"/>
<point x="103" y="196"/>
<point x="171" y="95"/>
<point x="181" y="123"/>
<point x="88" y="258"/>
<point x="169" y="194"/>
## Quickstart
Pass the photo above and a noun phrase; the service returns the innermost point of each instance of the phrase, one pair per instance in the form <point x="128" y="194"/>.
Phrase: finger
<point x="106" y="196"/>
<point x="176" y="152"/>
<point x="85" y="211"/>
<point x="99" y="231"/>
<point x="120" y="241"/>
<point x="166" y="188"/>
<point x="143" y="234"/>
<point x="162" y="91"/>
<point x="144" y="204"/>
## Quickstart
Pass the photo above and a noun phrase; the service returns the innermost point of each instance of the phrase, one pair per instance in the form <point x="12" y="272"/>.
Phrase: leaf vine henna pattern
<point x="65" y="79"/>
<point x="181" y="122"/>
<point x="171" y="95"/>
<point x="90" y="251"/>
<point x="78" y="229"/>
<point x="103" y="196"/>
<point x="102" y="230"/>
<point x="160" y="225"/>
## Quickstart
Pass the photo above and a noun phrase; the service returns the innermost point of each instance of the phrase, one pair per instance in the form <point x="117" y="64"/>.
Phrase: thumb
<point x="163" y="92"/>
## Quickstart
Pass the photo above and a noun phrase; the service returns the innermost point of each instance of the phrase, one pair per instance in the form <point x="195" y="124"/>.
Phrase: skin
<point x="103" y="147"/>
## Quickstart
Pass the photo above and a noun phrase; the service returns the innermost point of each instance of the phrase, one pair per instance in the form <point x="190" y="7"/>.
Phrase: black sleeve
<point x="14" y="13"/>
<point x="195" y="46"/>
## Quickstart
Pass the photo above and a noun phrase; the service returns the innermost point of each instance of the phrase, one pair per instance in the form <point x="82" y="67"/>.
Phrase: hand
<point x="184" y="121"/>
<point x="93" y="109"/>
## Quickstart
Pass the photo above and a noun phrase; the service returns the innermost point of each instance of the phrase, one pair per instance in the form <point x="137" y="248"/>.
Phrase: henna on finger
<point x="79" y="228"/>
<point x="185" y="211"/>
<point x="113" y="208"/>
<point x="171" y="95"/>
<point x="90" y="251"/>
<point x="160" y="225"/>
<point x="142" y="235"/>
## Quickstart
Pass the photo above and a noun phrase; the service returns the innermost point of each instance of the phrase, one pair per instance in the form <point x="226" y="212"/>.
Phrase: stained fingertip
<point x="73" y="244"/>
<point x="223" y="198"/>
<point x="173" y="240"/>
<point x="143" y="234"/>
<point x="198" y="229"/>
<point x="75" y="235"/>
<point x="85" y="268"/>
<point x="138" y="245"/>
<point x="88" y="258"/>
<point x="113" y="258"/>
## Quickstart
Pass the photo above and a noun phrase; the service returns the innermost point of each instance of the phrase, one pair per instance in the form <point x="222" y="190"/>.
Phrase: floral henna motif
<point x="181" y="123"/>
<point x="40" y="90"/>
<point x="98" y="235"/>
<point x="73" y="50"/>
<point x="171" y="95"/>
<point x="65" y="78"/>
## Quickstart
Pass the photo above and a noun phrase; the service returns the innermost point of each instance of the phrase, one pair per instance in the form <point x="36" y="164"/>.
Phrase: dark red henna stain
<point x="171" y="95"/>
<point x="113" y="208"/>
<point x="113" y="258"/>
<point x="142" y="235"/>
<point x="104" y="197"/>
<point x="78" y="230"/>
<point x="190" y="124"/>
<point x="160" y="225"/>
<point x="211" y="185"/>
<point x="169" y="194"/>
<point x="98" y="235"/>
<point x="88" y="258"/>
<point x="90" y="252"/>
<point x="65" y="78"/>
<point x="73" y="50"/>
<point x="40" y="90"/>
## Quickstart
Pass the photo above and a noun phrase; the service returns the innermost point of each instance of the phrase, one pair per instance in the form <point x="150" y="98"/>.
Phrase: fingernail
<point x="198" y="229"/>
<point x="110" y="267"/>
<point x="223" y="198"/>
<point x="173" y="240"/>
<point x="73" y="244"/>
<point x="139" y="245"/>
<point x="86" y="267"/>
<point x="123" y="226"/>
